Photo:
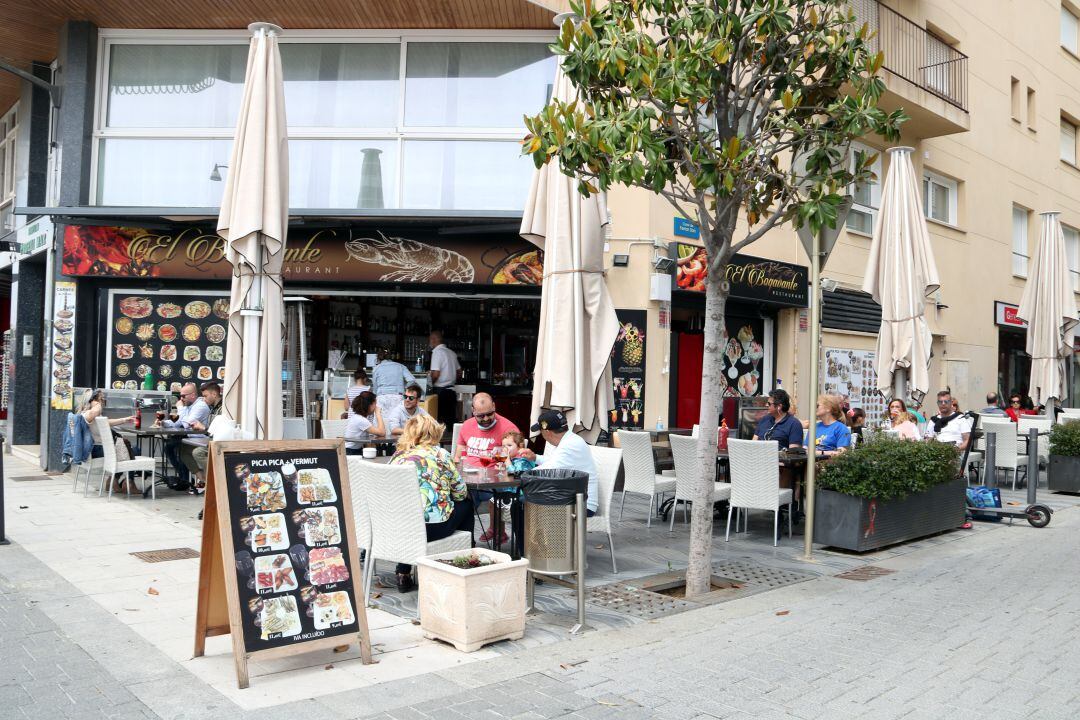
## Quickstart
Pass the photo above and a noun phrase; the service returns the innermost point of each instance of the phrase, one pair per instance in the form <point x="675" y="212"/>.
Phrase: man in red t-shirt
<point x="481" y="435"/>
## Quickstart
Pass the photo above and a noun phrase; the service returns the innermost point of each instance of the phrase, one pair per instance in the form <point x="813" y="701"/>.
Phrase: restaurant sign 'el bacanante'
<point x="751" y="278"/>
<point x="311" y="255"/>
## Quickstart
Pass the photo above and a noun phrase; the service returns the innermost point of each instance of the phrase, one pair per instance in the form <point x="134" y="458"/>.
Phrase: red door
<point x="688" y="389"/>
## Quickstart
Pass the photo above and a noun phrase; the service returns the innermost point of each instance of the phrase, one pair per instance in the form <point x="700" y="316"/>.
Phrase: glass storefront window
<point x="465" y="174"/>
<point x="343" y="173"/>
<point x="482" y="85"/>
<point x="161" y="172"/>
<point x="341" y="85"/>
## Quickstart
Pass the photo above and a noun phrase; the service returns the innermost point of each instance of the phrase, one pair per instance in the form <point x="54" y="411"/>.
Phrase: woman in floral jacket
<point x="446" y="503"/>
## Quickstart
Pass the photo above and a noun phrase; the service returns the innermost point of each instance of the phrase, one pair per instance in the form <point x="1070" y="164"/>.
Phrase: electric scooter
<point x="1037" y="514"/>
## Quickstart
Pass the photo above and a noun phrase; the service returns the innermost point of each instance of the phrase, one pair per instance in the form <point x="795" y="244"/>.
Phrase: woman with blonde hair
<point x="902" y="421"/>
<point x="831" y="436"/>
<point x="446" y="503"/>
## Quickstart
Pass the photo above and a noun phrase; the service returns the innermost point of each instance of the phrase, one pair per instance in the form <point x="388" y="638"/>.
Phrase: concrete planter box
<point x="854" y="523"/>
<point x="471" y="608"/>
<point x="1063" y="473"/>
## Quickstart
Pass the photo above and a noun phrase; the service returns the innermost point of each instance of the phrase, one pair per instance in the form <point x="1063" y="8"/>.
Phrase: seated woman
<point x="832" y="435"/>
<point x="90" y="412"/>
<point x="366" y="420"/>
<point x="447" y="507"/>
<point x="902" y="421"/>
<point x="857" y="421"/>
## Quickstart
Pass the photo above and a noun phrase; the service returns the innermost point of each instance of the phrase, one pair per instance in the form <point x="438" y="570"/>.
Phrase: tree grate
<point x="759" y="575"/>
<point x="636" y="602"/>
<point x="29" y="478"/>
<point x="156" y="556"/>
<point x="864" y="573"/>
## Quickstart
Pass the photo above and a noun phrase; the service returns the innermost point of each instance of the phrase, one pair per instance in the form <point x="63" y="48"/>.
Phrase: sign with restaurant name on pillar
<point x="628" y="371"/>
<point x="279" y="552"/>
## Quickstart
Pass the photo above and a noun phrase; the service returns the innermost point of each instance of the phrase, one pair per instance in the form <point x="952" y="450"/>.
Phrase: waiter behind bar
<point x="445" y="369"/>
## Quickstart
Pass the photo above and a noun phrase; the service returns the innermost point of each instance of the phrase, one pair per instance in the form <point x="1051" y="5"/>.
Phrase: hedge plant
<point x="1065" y="438"/>
<point x="891" y="469"/>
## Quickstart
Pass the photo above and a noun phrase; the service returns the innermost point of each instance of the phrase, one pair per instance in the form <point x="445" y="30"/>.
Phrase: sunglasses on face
<point x="411" y="397"/>
<point x="772" y="404"/>
<point x="944" y="402"/>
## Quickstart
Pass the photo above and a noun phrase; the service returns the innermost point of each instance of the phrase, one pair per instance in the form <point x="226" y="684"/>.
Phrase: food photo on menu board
<point x="173" y="337"/>
<point x="290" y="546"/>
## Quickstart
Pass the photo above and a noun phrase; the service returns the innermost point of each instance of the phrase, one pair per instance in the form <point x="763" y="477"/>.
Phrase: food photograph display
<point x="290" y="544"/>
<point x="628" y="371"/>
<point x="174" y="337"/>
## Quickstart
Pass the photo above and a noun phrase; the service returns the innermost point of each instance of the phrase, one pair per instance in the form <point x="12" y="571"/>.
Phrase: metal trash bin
<point x="554" y="509"/>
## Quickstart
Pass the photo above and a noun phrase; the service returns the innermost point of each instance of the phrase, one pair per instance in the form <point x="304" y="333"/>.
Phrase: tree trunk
<point x="699" y="567"/>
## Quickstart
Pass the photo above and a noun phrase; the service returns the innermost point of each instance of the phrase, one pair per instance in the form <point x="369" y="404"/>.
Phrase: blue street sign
<point x="685" y="228"/>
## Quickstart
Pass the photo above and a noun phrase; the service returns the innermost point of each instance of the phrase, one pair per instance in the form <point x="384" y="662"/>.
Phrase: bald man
<point x="192" y="413"/>
<point x="482" y="434"/>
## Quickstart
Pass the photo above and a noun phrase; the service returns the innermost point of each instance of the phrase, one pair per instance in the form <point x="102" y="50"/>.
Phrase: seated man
<point x="480" y="438"/>
<point x="190" y="410"/>
<point x="410" y="408"/>
<point x="778" y="424"/>
<point x="195" y="456"/>
<point x="993" y="406"/>
<point x="566" y="450"/>
<point x="949" y="426"/>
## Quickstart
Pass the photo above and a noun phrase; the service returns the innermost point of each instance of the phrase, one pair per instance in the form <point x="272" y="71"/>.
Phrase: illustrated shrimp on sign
<point x="411" y="260"/>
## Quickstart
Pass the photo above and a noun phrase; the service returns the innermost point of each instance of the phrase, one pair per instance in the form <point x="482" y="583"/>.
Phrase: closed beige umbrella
<point x="253" y="222"/>
<point x="900" y="273"/>
<point x="1049" y="307"/>
<point x="578" y="324"/>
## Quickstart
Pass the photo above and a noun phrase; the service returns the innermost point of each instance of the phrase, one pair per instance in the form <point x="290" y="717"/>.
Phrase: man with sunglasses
<point x="410" y="408"/>
<point x="480" y="438"/>
<point x="949" y="426"/>
<point x="778" y="424"/>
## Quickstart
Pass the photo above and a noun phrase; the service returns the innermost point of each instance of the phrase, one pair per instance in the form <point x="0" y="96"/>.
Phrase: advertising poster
<point x="628" y="371"/>
<point x="175" y="337"/>
<point x="851" y="375"/>
<point x="742" y="352"/>
<point x="63" y="345"/>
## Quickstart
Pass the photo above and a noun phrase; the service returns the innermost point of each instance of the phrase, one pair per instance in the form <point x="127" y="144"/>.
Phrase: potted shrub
<point x="888" y="491"/>
<point x="1063" y="475"/>
<point x="472" y="598"/>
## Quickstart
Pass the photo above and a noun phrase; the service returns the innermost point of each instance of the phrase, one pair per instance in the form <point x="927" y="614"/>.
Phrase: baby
<point x="513" y="447"/>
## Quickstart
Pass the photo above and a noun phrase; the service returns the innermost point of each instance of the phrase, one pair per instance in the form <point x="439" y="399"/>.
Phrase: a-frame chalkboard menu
<point x="280" y="570"/>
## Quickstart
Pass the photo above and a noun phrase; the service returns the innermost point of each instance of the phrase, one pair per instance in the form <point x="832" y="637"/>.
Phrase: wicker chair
<point x="755" y="482"/>
<point x="1042" y="423"/>
<point x="607" y="462"/>
<point x="1006" y="455"/>
<point x="333" y="428"/>
<point x="111" y="466"/>
<point x="640" y="476"/>
<point x="687" y="471"/>
<point x="389" y="495"/>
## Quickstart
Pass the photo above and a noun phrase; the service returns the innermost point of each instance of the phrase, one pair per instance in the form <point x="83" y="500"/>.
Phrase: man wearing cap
<point x="566" y="450"/>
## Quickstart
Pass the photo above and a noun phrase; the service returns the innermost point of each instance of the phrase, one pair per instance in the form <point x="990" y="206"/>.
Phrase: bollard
<point x="3" y="538"/>
<point x="989" y="471"/>
<point x="1033" y="464"/>
<point x="579" y="549"/>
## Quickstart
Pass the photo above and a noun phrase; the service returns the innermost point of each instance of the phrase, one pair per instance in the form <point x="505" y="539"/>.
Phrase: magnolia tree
<point x="713" y="104"/>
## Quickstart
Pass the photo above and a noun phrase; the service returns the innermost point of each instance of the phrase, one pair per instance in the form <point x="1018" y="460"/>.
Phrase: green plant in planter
<point x="1065" y="439"/>
<point x="890" y="469"/>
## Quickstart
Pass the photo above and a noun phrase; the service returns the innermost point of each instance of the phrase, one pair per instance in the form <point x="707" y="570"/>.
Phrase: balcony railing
<point x="915" y="54"/>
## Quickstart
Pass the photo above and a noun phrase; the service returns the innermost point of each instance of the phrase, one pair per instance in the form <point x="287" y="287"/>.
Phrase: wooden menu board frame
<point x="218" y="608"/>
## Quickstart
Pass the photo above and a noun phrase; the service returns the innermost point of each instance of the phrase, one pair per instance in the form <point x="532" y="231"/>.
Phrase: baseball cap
<point x="553" y="420"/>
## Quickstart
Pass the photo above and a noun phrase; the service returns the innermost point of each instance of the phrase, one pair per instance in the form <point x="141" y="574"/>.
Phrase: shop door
<point x="1014" y="364"/>
<point x="688" y="403"/>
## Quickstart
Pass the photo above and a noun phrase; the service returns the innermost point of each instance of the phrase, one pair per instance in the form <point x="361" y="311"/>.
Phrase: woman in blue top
<point x="832" y="436"/>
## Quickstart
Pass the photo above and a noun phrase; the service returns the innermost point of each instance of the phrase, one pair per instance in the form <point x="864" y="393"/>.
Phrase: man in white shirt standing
<point x="444" y="372"/>
<point x="566" y="450"/>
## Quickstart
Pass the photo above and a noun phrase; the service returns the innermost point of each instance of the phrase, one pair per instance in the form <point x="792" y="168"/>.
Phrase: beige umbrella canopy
<point x="578" y="324"/>
<point x="900" y="273"/>
<point x="253" y="222"/>
<point x="1049" y="307"/>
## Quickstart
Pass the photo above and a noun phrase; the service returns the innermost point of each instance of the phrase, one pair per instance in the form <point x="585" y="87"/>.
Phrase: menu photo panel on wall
<point x="850" y="374"/>
<point x="628" y="371"/>
<point x="175" y="336"/>
<point x="279" y="569"/>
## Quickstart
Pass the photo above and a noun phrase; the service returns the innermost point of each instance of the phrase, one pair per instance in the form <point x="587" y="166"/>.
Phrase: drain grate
<point x="866" y="572"/>
<point x="636" y="602"/>
<point x="156" y="556"/>
<point x="29" y="478"/>
<point x="766" y="577"/>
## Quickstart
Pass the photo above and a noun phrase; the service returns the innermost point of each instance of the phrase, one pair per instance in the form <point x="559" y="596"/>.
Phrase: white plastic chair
<point x="333" y="428"/>
<point x="390" y="496"/>
<point x="455" y="434"/>
<point x="687" y="472"/>
<point x="607" y="462"/>
<point x="695" y="431"/>
<point x="1005" y="446"/>
<point x="755" y="482"/>
<point x="111" y="466"/>
<point x="1042" y="423"/>
<point x="640" y="476"/>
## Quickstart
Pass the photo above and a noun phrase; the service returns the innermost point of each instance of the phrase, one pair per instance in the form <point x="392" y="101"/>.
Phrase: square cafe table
<point x="158" y="437"/>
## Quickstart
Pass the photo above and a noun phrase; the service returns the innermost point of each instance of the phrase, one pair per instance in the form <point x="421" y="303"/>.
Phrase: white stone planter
<point x="471" y="608"/>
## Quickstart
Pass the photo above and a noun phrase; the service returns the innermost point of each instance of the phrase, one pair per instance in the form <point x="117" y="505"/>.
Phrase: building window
<point x="1021" y="219"/>
<point x="1072" y="254"/>
<point x="866" y="195"/>
<point x="373" y="122"/>
<point x="1032" y="116"/>
<point x="1068" y="141"/>
<point x="1014" y="99"/>
<point x="939" y="197"/>
<point x="9" y="126"/>
<point x="1070" y="27"/>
